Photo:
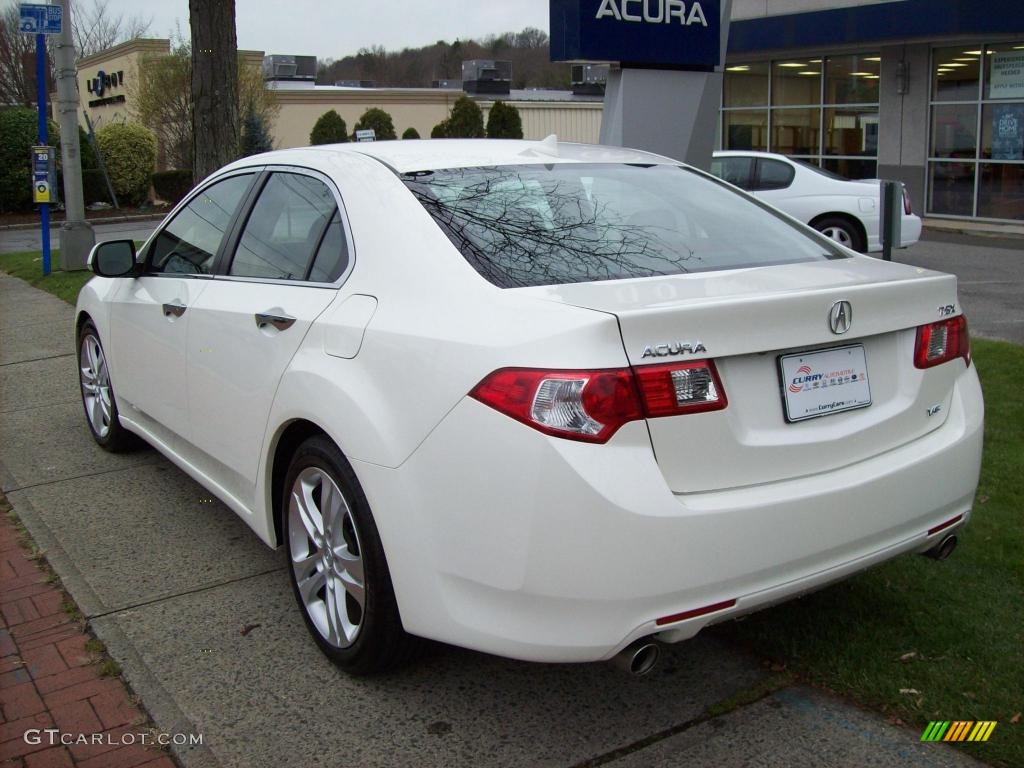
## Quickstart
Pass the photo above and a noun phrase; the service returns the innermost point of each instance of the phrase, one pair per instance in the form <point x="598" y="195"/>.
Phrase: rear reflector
<point x="941" y="342"/>
<point x="591" y="405"/>
<point x="945" y="525"/>
<point x="695" y="612"/>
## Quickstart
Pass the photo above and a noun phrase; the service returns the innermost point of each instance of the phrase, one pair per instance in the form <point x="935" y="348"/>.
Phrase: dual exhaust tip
<point x="638" y="658"/>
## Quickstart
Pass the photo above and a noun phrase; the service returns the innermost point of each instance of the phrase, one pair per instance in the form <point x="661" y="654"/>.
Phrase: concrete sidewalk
<point x="200" y="616"/>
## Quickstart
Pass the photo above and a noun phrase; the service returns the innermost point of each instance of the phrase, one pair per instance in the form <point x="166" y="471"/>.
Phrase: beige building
<point x="107" y="81"/>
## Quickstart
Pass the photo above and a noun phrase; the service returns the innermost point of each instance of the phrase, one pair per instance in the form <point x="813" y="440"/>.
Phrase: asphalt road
<point x="200" y="616"/>
<point x="990" y="278"/>
<point x="15" y="240"/>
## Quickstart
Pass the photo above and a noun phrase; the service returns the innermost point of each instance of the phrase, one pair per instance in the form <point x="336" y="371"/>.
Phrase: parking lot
<point x="200" y="616"/>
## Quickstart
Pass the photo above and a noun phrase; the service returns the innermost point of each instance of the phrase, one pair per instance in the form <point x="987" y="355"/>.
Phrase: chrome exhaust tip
<point x="943" y="549"/>
<point x="638" y="658"/>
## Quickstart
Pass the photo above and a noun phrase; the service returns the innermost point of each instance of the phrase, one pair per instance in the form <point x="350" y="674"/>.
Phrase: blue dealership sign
<point x="655" y="33"/>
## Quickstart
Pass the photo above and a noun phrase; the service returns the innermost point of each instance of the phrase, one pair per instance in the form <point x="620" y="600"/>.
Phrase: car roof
<point x="433" y="154"/>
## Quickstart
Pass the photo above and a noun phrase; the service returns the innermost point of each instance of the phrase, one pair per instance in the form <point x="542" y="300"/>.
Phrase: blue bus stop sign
<point x="666" y="34"/>
<point x="35" y="19"/>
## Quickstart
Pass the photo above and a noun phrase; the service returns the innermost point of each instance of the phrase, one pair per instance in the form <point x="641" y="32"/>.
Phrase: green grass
<point x="28" y="266"/>
<point x="952" y="632"/>
<point x="922" y="640"/>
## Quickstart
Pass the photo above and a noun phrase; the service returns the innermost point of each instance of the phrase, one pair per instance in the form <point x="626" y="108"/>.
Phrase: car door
<point x="290" y="252"/>
<point x="149" y="314"/>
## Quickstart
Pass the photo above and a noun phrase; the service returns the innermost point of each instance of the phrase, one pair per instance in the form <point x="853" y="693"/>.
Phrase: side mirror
<point x="114" y="258"/>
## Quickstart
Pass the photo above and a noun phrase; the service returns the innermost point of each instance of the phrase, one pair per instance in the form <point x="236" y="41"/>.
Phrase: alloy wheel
<point x="326" y="557"/>
<point x="838" y="234"/>
<point x="95" y="380"/>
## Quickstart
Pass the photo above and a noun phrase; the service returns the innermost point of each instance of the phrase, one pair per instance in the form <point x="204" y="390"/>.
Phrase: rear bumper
<point x="507" y="541"/>
<point x="910" y="233"/>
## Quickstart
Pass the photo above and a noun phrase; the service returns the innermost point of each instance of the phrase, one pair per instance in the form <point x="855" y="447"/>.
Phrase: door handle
<point x="175" y="308"/>
<point x="281" y="322"/>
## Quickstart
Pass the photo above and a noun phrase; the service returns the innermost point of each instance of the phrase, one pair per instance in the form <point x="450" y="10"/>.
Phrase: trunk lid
<point x="745" y="320"/>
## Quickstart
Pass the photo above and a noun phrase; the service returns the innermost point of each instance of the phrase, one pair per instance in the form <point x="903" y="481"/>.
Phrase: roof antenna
<point x="549" y="147"/>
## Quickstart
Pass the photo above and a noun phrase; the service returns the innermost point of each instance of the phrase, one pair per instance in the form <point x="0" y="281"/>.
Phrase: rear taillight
<point x="941" y="342"/>
<point x="907" y="207"/>
<point x="592" y="405"/>
<point x="674" y="389"/>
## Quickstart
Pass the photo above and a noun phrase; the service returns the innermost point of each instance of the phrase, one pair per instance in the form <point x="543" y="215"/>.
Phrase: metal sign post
<point x="42" y="20"/>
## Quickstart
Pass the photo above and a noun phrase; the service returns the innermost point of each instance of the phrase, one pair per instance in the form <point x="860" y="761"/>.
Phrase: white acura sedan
<point x="549" y="401"/>
<point x="847" y="211"/>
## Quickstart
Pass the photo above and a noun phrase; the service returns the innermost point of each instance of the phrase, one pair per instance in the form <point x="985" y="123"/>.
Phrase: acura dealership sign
<point x="658" y="33"/>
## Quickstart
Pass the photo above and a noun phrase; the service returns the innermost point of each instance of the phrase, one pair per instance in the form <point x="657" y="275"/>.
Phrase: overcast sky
<point x="336" y="28"/>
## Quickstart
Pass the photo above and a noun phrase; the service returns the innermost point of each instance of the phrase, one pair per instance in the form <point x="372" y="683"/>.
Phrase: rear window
<point x="531" y="225"/>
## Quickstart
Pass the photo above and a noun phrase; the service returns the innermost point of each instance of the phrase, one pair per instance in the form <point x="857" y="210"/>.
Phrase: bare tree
<point x="17" y="61"/>
<point x="95" y="27"/>
<point x="215" y="125"/>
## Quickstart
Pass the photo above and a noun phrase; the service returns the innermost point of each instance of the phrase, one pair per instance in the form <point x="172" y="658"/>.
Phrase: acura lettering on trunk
<point x="556" y="402"/>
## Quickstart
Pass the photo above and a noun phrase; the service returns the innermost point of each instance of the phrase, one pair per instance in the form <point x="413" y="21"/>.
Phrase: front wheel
<point x="843" y="231"/>
<point x="98" y="393"/>
<point x="338" y="570"/>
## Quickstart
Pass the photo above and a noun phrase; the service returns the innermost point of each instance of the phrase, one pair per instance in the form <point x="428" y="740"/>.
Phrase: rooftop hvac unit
<point x="589" y="79"/>
<point x="355" y="83"/>
<point x="487" y="76"/>
<point x="278" y="67"/>
<point x="452" y="84"/>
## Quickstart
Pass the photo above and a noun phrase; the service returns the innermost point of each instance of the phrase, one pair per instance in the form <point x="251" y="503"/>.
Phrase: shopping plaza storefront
<point x="930" y="92"/>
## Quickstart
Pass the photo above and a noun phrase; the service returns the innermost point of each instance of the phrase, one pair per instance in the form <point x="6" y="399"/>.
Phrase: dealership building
<point x="929" y="92"/>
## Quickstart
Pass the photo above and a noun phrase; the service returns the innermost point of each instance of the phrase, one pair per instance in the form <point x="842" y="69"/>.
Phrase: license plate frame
<point x="836" y="381"/>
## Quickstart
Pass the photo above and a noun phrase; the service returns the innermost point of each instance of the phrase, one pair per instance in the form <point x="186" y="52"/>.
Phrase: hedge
<point x="329" y="129"/>
<point x="173" y="185"/>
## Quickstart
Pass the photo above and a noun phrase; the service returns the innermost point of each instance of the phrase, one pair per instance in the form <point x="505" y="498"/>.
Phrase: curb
<point x="94" y="222"/>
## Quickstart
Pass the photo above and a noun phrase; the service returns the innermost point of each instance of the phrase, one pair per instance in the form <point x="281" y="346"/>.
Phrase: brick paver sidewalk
<point x="49" y="679"/>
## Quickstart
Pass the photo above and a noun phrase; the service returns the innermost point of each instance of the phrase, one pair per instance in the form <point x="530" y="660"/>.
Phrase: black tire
<point x="104" y="424"/>
<point x="380" y="642"/>
<point x="843" y="231"/>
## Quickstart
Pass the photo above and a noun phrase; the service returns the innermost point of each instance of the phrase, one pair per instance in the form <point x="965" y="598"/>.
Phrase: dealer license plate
<point x="824" y="382"/>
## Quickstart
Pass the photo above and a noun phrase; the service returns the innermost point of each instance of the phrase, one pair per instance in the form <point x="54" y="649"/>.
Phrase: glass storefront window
<point x="1001" y="191"/>
<point x="955" y="73"/>
<point x="796" y="82"/>
<point x="1002" y="131"/>
<point x="745" y="129"/>
<point x="852" y="79"/>
<point x="951" y="188"/>
<point x="1003" y="67"/>
<point x="851" y="168"/>
<point x="851" y="132"/>
<point x="778" y="106"/>
<point x="795" y="131"/>
<point x="954" y="130"/>
<point x="976" y="147"/>
<point x="746" y="85"/>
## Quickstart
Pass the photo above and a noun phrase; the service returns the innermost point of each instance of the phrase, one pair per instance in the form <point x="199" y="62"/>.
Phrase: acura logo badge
<point x="840" y="317"/>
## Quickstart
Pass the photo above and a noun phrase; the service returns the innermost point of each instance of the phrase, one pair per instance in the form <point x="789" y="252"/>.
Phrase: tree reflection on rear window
<point x="530" y="225"/>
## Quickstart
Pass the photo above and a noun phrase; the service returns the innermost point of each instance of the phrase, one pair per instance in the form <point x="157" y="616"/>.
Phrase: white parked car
<point x="549" y="401"/>
<point x="847" y="211"/>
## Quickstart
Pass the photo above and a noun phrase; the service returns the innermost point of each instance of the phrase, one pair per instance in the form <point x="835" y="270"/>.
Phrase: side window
<point x="189" y="243"/>
<point x="293" y="231"/>
<point x="735" y="170"/>
<point x="774" y="174"/>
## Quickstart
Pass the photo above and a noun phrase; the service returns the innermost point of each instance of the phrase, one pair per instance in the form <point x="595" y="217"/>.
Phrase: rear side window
<point x="735" y="170"/>
<point x="773" y="174"/>
<point x="293" y="232"/>
<point x="189" y="243"/>
<point x="573" y="222"/>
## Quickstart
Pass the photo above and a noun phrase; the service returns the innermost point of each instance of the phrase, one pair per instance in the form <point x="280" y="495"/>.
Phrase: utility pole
<point x="76" y="234"/>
